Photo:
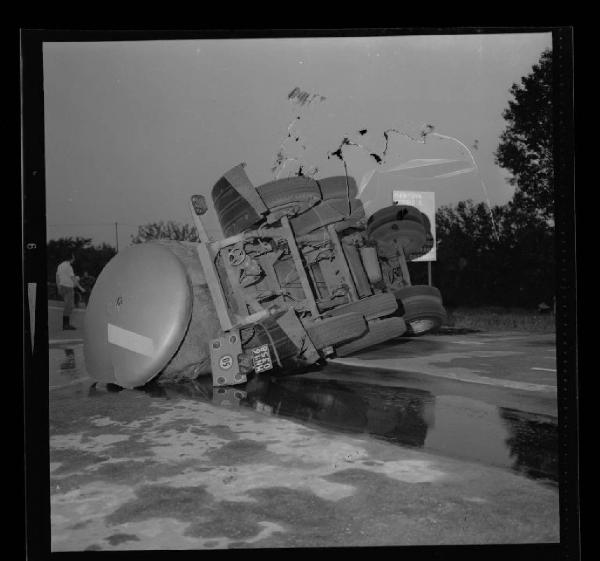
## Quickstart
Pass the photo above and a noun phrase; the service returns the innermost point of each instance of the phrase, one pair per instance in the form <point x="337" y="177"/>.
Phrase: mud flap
<point x="224" y="352"/>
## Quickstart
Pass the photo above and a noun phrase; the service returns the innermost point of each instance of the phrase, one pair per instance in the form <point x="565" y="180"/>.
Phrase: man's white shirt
<point x="65" y="274"/>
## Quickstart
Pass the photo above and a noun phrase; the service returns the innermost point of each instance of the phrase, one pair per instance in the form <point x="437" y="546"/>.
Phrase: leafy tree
<point x="528" y="253"/>
<point x="467" y="254"/>
<point x="169" y="230"/>
<point x="62" y="248"/>
<point x="475" y="268"/>
<point x="93" y="259"/>
<point x="526" y="144"/>
<point x="517" y="267"/>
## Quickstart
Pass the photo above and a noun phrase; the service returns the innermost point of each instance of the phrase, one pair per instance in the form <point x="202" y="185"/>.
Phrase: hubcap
<point x="422" y="325"/>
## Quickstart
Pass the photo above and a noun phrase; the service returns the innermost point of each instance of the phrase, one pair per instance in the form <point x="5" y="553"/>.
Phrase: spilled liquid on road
<point x="452" y="425"/>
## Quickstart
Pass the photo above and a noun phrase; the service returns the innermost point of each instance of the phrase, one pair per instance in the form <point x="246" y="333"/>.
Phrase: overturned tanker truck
<point x="301" y="275"/>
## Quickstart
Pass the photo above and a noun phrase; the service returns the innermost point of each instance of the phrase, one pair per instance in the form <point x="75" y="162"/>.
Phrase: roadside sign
<point x="425" y="202"/>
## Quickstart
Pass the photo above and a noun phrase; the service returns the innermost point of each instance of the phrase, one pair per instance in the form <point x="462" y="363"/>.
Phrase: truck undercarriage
<point x="301" y="275"/>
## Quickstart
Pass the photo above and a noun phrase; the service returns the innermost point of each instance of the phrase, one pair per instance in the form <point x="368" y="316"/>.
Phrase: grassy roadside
<point x="501" y="319"/>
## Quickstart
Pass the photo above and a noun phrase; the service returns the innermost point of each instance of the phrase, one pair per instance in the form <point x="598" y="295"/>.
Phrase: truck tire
<point x="421" y="307"/>
<point x="379" y="331"/>
<point x="338" y="187"/>
<point x="408" y="234"/>
<point x="393" y="213"/>
<point x="328" y="212"/>
<point x="426" y="223"/>
<point x="378" y="305"/>
<point x="352" y="209"/>
<point x="290" y="190"/>
<point x="336" y="330"/>
<point x="234" y="212"/>
<point x="397" y="225"/>
<point x="347" y="224"/>
<point x="429" y="241"/>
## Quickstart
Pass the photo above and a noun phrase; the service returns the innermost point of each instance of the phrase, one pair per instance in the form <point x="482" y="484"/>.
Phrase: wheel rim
<point x="422" y="325"/>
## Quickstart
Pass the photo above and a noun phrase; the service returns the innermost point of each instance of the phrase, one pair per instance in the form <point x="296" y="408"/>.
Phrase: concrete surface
<point x="55" y="330"/>
<point x="141" y="473"/>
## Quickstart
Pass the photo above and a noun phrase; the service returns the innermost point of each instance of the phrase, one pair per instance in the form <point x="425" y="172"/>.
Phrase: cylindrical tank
<point x="150" y="312"/>
<point x="371" y="264"/>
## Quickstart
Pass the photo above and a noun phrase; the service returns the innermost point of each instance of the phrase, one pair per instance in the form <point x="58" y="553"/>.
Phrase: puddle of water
<point x="66" y="365"/>
<point x="454" y="426"/>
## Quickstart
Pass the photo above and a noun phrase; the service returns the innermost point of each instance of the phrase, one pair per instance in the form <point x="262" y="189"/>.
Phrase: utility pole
<point x="117" y="236"/>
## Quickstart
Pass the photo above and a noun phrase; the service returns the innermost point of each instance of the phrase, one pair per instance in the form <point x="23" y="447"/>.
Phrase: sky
<point x="134" y="128"/>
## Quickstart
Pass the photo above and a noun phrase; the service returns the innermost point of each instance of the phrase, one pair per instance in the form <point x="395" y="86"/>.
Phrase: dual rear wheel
<point x="421" y="307"/>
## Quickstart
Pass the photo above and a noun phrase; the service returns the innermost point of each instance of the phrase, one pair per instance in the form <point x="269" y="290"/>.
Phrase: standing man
<point x="66" y="283"/>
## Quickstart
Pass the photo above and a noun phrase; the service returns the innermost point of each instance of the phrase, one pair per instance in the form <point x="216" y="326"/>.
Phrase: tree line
<point x="89" y="258"/>
<point x="476" y="267"/>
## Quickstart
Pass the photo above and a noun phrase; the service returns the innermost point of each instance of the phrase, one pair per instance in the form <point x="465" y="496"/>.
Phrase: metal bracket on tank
<point x="224" y="352"/>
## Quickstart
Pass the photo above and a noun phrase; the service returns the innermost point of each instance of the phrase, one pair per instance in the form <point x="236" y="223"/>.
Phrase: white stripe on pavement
<point x="544" y="369"/>
<point x="476" y="379"/>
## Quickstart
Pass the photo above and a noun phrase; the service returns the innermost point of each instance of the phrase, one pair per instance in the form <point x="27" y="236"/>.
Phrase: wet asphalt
<point x="458" y="420"/>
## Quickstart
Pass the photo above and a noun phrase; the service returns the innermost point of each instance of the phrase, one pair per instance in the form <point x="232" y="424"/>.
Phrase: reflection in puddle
<point x="68" y="362"/>
<point x="455" y="426"/>
<point x="65" y="365"/>
<point x="528" y="436"/>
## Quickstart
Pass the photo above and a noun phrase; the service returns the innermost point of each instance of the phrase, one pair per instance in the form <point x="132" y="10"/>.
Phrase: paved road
<point x="403" y="447"/>
<point x="513" y="360"/>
